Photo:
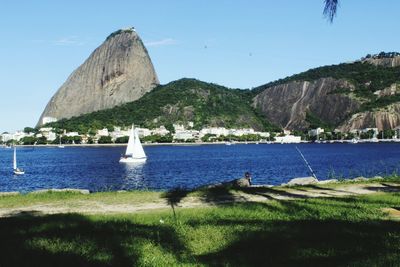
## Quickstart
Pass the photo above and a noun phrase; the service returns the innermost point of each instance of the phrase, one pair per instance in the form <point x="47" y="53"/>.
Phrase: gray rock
<point x="384" y="118"/>
<point x="242" y="182"/>
<point x="303" y="181"/>
<point x="359" y="179"/>
<point x="328" y="181"/>
<point x="117" y="72"/>
<point x="287" y="104"/>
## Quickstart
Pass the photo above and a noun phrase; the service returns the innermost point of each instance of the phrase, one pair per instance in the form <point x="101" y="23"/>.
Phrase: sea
<point x="190" y="166"/>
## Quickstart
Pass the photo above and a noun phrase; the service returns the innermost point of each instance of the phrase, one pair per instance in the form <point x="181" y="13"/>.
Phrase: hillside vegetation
<point x="181" y="101"/>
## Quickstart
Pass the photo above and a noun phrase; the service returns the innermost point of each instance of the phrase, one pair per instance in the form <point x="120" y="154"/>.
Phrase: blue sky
<point x="239" y="44"/>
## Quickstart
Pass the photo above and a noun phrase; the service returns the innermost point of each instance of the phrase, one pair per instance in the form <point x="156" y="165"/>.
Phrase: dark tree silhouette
<point x="330" y="9"/>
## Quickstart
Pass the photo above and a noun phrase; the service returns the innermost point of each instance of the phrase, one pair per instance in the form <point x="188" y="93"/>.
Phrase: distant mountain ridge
<point x="118" y="71"/>
<point x="348" y="96"/>
<point x="181" y="101"/>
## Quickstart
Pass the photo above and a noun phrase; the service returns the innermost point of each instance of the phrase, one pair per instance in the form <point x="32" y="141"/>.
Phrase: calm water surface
<point x="98" y="169"/>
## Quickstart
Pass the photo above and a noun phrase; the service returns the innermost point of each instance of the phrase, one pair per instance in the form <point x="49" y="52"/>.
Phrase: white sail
<point x="138" y="151"/>
<point x="15" y="159"/>
<point x="130" y="147"/>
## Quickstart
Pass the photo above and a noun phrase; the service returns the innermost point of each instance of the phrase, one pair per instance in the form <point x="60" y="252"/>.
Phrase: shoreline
<point x="215" y="143"/>
<point x="294" y="182"/>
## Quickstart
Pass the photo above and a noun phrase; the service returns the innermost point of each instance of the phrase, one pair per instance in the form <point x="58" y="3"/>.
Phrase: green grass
<point x="352" y="231"/>
<point x="72" y="198"/>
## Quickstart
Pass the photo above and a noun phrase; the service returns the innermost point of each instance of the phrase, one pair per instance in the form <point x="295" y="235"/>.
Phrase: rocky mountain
<point x="348" y="96"/>
<point x="118" y="71"/>
<point x="181" y="101"/>
<point x="391" y="59"/>
<point x="357" y="95"/>
<point x="386" y="118"/>
<point x="288" y="104"/>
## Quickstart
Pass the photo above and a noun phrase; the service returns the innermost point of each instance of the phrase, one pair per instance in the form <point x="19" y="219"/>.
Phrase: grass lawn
<point x="348" y="231"/>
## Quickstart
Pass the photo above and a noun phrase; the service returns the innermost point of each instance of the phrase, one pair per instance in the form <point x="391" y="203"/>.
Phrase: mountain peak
<point x="118" y="71"/>
<point x="123" y="30"/>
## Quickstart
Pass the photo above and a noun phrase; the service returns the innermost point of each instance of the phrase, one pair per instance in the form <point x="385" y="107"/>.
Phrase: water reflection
<point x="134" y="176"/>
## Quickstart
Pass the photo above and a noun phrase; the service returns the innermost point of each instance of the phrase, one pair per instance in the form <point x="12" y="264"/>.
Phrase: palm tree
<point x="330" y="9"/>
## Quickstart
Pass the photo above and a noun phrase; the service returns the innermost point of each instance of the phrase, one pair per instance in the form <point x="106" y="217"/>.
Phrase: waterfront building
<point x="316" y="132"/>
<point x="160" y="131"/>
<point x="143" y="132"/>
<point x="102" y="132"/>
<point x="287" y="139"/>
<point x="186" y="135"/>
<point x="72" y="134"/>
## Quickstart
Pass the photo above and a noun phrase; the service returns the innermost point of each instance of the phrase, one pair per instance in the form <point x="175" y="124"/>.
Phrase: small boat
<point x="60" y="145"/>
<point x="354" y="141"/>
<point x="134" y="151"/>
<point x="17" y="171"/>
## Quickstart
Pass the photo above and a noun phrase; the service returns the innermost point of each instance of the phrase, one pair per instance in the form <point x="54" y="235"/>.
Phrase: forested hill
<point x="181" y="101"/>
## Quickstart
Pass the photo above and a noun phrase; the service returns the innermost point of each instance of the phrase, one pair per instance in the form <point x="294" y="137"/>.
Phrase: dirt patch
<point x="253" y="194"/>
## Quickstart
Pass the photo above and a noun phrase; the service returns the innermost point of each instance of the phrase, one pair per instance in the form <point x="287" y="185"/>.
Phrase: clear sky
<point x="236" y="43"/>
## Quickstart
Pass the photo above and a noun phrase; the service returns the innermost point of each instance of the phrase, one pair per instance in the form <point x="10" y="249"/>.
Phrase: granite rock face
<point x="118" y="71"/>
<point x="384" y="62"/>
<point x="385" y="118"/>
<point x="286" y="105"/>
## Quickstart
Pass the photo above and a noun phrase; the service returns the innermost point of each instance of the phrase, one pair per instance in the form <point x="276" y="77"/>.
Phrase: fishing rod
<point x="308" y="165"/>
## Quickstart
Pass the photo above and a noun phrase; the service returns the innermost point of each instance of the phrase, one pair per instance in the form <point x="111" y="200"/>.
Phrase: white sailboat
<point x="17" y="171"/>
<point x="60" y="145"/>
<point x="134" y="151"/>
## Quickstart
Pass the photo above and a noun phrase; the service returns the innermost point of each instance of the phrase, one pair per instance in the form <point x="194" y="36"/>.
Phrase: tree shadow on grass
<point x="312" y="243"/>
<point x="387" y="188"/>
<point x="75" y="240"/>
<point x="270" y="193"/>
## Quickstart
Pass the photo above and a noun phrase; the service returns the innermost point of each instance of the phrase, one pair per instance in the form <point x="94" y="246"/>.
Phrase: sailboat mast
<point x="15" y="158"/>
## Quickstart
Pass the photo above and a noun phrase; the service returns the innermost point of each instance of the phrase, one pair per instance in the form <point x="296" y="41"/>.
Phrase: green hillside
<point x="181" y="101"/>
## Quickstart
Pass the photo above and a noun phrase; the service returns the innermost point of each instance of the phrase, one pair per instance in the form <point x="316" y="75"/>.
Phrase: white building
<point x="315" y="132"/>
<point x="241" y="132"/>
<point x="45" y="129"/>
<point x="103" y="132"/>
<point x="178" y="127"/>
<point x="186" y="135"/>
<point x="48" y="120"/>
<point x="160" y="131"/>
<point x="287" y="139"/>
<point x="263" y="134"/>
<point x="51" y="136"/>
<point x="46" y="132"/>
<point x="5" y="137"/>
<point x="72" y="134"/>
<point x="143" y="132"/>
<point x="374" y="130"/>
<point x="218" y="131"/>
<point x="18" y="135"/>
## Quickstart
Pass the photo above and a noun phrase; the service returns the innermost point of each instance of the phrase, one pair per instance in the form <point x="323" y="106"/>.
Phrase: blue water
<point x="98" y="169"/>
